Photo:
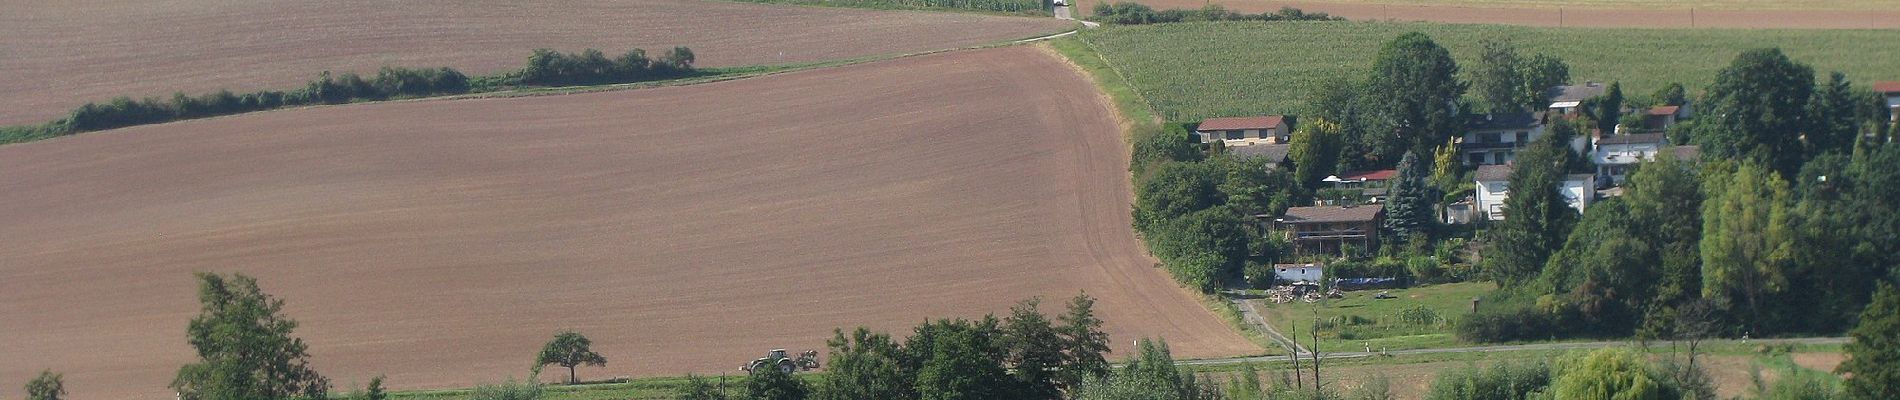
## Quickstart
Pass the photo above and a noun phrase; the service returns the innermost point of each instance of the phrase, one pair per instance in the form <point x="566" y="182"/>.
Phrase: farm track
<point x="60" y="54"/>
<point x="1611" y="17"/>
<point x="684" y="229"/>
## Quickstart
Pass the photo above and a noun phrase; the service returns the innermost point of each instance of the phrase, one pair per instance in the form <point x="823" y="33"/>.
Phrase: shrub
<point x="1418" y="315"/>
<point x="510" y="390"/>
<point x="1504" y="380"/>
<point x="1513" y="324"/>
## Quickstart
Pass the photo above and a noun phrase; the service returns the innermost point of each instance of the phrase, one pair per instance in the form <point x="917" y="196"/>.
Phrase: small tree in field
<point x="48" y="386"/>
<point x="570" y="349"/>
<point x="244" y="347"/>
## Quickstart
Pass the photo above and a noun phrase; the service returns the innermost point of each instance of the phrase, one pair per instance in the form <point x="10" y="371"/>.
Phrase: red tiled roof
<point x="1239" y="123"/>
<point x="1664" y="110"/>
<point x="1888" y="87"/>
<point x="1370" y="175"/>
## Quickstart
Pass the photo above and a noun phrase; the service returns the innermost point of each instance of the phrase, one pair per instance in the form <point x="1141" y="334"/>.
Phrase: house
<point x="1298" y="272"/>
<point x="1615" y="155"/>
<point x="1662" y="117"/>
<point x="1330" y="229"/>
<point x="1891" y="90"/>
<point x="1275" y="153"/>
<point x="1370" y="184"/>
<point x="1567" y="100"/>
<point x="1579" y="190"/>
<point x="1495" y="138"/>
<point x="1242" y="131"/>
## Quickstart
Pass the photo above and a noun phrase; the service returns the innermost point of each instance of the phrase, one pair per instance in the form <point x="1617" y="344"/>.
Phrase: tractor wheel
<point x="787" y="366"/>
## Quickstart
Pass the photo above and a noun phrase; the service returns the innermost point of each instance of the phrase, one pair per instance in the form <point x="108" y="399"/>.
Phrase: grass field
<point x="1192" y="71"/>
<point x="1359" y="320"/>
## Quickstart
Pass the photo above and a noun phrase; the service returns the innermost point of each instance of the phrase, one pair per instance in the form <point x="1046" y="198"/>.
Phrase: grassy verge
<point x="1359" y="321"/>
<point x="1017" y="8"/>
<point x="1190" y="71"/>
<point x="1128" y="101"/>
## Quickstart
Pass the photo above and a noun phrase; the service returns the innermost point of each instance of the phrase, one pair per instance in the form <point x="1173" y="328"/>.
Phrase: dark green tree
<point x="1537" y="218"/>
<point x="960" y="360"/>
<point x="1664" y="197"/>
<point x="1606" y="269"/>
<point x="1875" y="349"/>
<point x="1746" y="241"/>
<point x="1672" y="94"/>
<point x="1314" y="151"/>
<point x="47" y="386"/>
<point x="775" y="384"/>
<point x="865" y="365"/>
<point x="244" y="346"/>
<point x="1148" y="374"/>
<point x="1175" y="190"/>
<point x="1498" y="78"/>
<point x="1084" y="343"/>
<point x="1155" y="145"/>
<point x="569" y="349"/>
<point x="1035" y="351"/>
<point x="1832" y="120"/>
<point x="1609" y="109"/>
<point x="1409" y="210"/>
<point x="1757" y="108"/>
<point x="1541" y="73"/>
<point x="1413" y="99"/>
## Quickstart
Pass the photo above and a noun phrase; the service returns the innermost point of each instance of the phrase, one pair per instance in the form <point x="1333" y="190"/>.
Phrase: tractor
<point x="806" y="361"/>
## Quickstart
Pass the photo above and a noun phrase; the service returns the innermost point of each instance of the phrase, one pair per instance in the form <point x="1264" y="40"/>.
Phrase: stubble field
<point x="684" y="229"/>
<point x="60" y="54"/>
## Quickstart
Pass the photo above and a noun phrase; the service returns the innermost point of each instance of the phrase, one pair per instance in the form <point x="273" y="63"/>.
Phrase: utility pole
<point x="1294" y="353"/>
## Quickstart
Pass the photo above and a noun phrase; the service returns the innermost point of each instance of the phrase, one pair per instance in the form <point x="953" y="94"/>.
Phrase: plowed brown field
<point x="684" y="229"/>
<point x="60" y="54"/>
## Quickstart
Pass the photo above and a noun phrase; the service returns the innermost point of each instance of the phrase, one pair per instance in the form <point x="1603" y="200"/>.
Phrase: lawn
<point x="1357" y="321"/>
<point x="1191" y="71"/>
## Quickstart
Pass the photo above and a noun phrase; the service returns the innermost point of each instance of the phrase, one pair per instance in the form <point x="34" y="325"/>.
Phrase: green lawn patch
<point x="1420" y="317"/>
<point x="1191" y="71"/>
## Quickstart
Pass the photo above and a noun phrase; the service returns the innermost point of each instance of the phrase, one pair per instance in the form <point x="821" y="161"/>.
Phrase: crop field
<point x="60" y="54"/>
<point x="1807" y="14"/>
<point x="683" y="229"/>
<point x="1196" y="70"/>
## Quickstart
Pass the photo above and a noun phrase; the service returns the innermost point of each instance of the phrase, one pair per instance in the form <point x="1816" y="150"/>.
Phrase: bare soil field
<point x="60" y="54"/>
<point x="1534" y="13"/>
<point x="683" y="229"/>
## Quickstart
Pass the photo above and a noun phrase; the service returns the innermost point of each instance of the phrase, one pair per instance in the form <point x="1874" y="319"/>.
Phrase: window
<point x="1523" y="136"/>
<point x="1477" y="158"/>
<point x="1236" y="135"/>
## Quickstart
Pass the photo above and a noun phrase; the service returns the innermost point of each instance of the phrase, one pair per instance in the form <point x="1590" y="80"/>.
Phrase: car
<point x="1061" y="3"/>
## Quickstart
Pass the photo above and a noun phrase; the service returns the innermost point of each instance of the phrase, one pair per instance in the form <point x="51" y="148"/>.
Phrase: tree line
<point x="1131" y="13"/>
<point x="545" y="68"/>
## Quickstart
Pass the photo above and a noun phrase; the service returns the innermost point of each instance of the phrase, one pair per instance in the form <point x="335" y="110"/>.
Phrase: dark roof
<point x="1634" y="139"/>
<point x="1379" y="175"/>
<point x="1322" y="214"/>
<point x="1578" y="177"/>
<point x="1687" y="152"/>
<point x="1661" y="111"/>
<point x="1488" y="173"/>
<point x="1240" y="123"/>
<point x="1887" y="87"/>
<point x="1488" y="122"/>
<point x="1576" y="92"/>
<point x="1272" y="152"/>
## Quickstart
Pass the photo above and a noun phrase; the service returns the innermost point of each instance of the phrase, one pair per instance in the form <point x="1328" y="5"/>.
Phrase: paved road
<point x="1490" y="349"/>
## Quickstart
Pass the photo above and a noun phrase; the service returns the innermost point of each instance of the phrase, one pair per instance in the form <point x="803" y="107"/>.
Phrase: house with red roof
<point x="1890" y="89"/>
<point x="1242" y="131"/>
<point x="1662" y="117"/>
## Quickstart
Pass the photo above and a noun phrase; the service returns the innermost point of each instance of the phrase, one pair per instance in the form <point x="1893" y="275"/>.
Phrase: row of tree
<point x="1129" y="13"/>
<point x="545" y="68"/>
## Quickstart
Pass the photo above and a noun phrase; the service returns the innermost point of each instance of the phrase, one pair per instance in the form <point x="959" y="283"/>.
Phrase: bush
<point x="510" y="390"/>
<point x="1510" y="325"/>
<point x="1127" y="13"/>
<point x="1504" y="380"/>
<point x="591" y="66"/>
<point x="1418" y="315"/>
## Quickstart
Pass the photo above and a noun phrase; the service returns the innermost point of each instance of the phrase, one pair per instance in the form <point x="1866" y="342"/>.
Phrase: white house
<point x="1494" y="181"/>
<point x="1565" y="100"/>
<point x="1297" y="272"/>
<point x="1242" y="131"/>
<point x="1495" y="138"/>
<point x="1615" y="155"/>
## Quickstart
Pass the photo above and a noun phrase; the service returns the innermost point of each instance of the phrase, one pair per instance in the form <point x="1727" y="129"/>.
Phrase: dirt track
<point x="684" y="229"/>
<point x="1551" y="16"/>
<point x="59" y="54"/>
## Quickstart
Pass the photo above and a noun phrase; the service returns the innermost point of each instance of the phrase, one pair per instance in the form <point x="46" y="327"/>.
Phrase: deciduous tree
<point x="570" y="349"/>
<point x="1833" y="123"/>
<point x="1875" y="349"/>
<point x="1757" y="108"/>
<point x="244" y="346"/>
<point x="1413" y="96"/>
<point x="47" y="386"/>
<point x="1537" y="218"/>
<point x="1745" y="240"/>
